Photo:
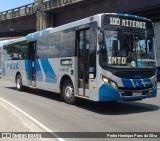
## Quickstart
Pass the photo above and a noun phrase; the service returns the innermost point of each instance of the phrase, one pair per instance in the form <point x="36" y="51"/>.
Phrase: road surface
<point x="85" y="116"/>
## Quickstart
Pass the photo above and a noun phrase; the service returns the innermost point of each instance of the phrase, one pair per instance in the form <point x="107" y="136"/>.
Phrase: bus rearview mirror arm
<point x="100" y="38"/>
<point x="100" y="35"/>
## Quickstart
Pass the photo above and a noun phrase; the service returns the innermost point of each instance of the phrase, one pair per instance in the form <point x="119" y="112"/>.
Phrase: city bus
<point x="105" y="57"/>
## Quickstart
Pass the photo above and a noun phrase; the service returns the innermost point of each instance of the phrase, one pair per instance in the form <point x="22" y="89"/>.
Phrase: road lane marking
<point x="33" y="119"/>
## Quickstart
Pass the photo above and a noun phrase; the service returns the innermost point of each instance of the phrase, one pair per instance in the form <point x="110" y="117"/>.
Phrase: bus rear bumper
<point x="107" y="93"/>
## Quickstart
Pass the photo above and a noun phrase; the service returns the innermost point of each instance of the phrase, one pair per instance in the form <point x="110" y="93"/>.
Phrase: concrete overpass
<point x="23" y="20"/>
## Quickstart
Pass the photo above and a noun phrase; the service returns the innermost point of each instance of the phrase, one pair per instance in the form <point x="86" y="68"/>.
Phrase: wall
<point x="157" y="39"/>
<point x="102" y="6"/>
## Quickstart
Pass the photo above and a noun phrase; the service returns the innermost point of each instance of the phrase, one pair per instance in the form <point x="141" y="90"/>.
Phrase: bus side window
<point x="42" y="47"/>
<point x="67" y="43"/>
<point x="52" y="45"/>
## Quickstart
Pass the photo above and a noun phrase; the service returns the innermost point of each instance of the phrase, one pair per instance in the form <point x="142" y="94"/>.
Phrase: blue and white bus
<point x="105" y="57"/>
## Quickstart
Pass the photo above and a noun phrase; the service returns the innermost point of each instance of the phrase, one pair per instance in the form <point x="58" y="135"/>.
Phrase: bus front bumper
<point x="107" y="93"/>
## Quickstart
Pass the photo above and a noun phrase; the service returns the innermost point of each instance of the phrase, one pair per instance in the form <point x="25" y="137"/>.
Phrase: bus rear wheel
<point x="68" y="92"/>
<point x="19" y="82"/>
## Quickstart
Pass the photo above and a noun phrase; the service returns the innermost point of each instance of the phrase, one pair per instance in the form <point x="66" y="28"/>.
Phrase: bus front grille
<point x="135" y="74"/>
<point x="135" y="93"/>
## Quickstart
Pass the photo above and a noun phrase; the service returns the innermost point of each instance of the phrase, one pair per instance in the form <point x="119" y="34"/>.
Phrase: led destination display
<point x="127" y="22"/>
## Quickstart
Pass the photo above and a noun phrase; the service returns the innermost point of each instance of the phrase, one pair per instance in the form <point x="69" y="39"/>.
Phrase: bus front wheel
<point x="68" y="92"/>
<point x="19" y="82"/>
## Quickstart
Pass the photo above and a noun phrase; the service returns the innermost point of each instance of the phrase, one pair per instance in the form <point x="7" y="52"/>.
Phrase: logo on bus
<point x="12" y="65"/>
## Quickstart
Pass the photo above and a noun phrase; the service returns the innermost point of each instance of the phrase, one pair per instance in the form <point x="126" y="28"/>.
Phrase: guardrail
<point x="31" y="8"/>
<point x="17" y="12"/>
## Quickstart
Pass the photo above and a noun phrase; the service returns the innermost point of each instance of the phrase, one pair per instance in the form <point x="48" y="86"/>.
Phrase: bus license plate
<point x="137" y="93"/>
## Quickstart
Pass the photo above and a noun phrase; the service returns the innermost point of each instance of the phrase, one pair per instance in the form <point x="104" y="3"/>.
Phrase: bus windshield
<point x="128" y="50"/>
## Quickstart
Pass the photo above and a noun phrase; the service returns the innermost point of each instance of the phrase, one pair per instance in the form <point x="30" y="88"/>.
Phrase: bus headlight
<point x="108" y="81"/>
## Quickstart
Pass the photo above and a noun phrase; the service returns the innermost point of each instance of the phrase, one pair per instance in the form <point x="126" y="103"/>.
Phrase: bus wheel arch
<point x="67" y="90"/>
<point x="18" y="80"/>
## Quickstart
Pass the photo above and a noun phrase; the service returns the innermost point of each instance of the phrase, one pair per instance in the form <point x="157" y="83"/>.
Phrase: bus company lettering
<point x="127" y="23"/>
<point x="117" y="60"/>
<point x="12" y="65"/>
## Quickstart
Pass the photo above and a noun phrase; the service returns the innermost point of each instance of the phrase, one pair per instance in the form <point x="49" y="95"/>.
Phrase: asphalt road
<point x="85" y="116"/>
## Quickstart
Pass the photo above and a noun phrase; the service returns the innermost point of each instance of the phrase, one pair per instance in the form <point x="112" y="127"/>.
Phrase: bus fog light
<point x="113" y="84"/>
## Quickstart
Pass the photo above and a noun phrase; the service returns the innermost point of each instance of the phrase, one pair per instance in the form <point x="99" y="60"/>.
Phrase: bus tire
<point x="19" y="82"/>
<point x="68" y="92"/>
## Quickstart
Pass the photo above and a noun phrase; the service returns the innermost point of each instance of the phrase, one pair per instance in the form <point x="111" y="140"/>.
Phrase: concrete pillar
<point x="42" y="22"/>
<point x="157" y="40"/>
<point x="41" y="15"/>
<point x="45" y="20"/>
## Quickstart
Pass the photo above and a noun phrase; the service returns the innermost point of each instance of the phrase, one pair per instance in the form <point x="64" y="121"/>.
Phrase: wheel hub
<point x="69" y="92"/>
<point x="18" y="83"/>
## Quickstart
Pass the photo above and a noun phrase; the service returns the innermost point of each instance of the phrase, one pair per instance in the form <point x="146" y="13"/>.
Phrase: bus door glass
<point x="83" y="60"/>
<point x="32" y="64"/>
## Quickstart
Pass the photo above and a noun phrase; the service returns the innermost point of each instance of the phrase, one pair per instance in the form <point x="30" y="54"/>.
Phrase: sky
<point x="11" y="4"/>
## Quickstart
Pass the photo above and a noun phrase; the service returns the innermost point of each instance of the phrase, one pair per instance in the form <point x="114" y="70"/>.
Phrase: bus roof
<point x="35" y="35"/>
<point x="12" y="41"/>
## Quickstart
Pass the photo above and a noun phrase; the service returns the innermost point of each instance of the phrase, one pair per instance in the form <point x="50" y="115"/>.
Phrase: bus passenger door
<point x="32" y="64"/>
<point x="83" y="43"/>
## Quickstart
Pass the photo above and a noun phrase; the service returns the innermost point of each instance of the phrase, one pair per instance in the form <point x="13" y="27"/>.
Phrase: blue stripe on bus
<point x="154" y="92"/>
<point x="45" y="32"/>
<point x="49" y="72"/>
<point x="127" y="83"/>
<point x="107" y="93"/>
<point x="29" y="37"/>
<point x="39" y="75"/>
<point x="138" y="83"/>
<point x="36" y="35"/>
<point x="129" y="15"/>
<point x="147" y="82"/>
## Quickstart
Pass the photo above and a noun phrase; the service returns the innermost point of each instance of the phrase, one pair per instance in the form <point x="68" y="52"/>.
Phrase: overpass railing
<point x="17" y="12"/>
<point x="31" y="8"/>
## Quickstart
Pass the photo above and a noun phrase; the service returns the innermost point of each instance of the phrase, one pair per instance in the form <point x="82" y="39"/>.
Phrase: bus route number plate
<point x="137" y="93"/>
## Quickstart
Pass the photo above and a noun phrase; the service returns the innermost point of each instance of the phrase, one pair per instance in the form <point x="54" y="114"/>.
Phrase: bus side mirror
<point x="100" y="38"/>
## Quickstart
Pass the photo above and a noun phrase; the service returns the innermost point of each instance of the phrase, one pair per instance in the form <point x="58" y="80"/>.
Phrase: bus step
<point x="80" y="96"/>
<point x="32" y="87"/>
